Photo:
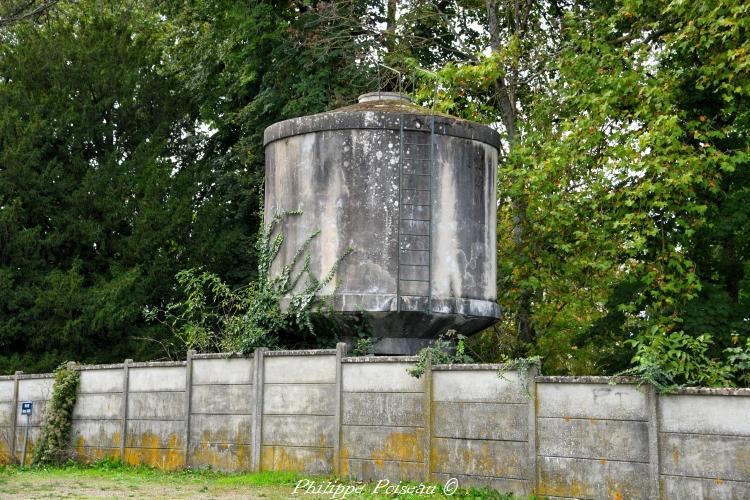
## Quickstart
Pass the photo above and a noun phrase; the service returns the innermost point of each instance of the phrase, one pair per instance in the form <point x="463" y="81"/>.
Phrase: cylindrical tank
<point x="413" y="192"/>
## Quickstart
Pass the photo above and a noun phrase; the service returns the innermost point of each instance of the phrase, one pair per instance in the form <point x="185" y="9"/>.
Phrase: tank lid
<point x="384" y="96"/>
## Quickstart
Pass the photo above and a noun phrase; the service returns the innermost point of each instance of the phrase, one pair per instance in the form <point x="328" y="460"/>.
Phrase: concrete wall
<point x="319" y="412"/>
<point x="13" y="390"/>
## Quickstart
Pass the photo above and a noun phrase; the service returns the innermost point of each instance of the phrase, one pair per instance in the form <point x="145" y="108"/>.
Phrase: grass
<point x="111" y="479"/>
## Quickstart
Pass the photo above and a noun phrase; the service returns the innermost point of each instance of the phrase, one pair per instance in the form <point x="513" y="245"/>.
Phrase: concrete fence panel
<point x="156" y="430"/>
<point x="101" y="380"/>
<point x="98" y="414"/>
<point x="704" y="444"/>
<point x="480" y="428"/>
<point x="7" y="403"/>
<point x="34" y="388"/>
<point x="383" y="428"/>
<point x="298" y="427"/>
<point x="592" y="439"/>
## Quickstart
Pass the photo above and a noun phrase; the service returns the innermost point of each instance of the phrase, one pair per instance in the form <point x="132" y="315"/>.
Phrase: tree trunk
<point x="508" y="113"/>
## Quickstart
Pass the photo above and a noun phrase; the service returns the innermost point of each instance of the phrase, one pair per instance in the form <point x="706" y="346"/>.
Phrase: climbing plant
<point x="214" y="317"/>
<point x="54" y="444"/>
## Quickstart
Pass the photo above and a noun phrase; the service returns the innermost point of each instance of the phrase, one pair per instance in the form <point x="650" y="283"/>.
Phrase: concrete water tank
<point x="413" y="192"/>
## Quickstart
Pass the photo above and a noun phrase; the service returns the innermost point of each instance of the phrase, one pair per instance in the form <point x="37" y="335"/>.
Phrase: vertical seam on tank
<point x="400" y="205"/>
<point x="429" y="193"/>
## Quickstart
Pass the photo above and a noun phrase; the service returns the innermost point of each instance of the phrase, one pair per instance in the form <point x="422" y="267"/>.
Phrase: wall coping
<point x="222" y="355"/>
<point x="711" y="391"/>
<point x="380" y="359"/>
<point x="302" y="352"/>
<point x="27" y="376"/>
<point x="468" y="367"/>
<point x="155" y="364"/>
<point x="111" y="366"/>
<point x="585" y="379"/>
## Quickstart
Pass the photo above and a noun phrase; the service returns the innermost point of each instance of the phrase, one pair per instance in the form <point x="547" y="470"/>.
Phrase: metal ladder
<point x="416" y="168"/>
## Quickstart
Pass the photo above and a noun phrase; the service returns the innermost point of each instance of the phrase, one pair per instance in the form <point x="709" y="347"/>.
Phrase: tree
<point x="631" y="160"/>
<point x="100" y="194"/>
<point x="14" y="11"/>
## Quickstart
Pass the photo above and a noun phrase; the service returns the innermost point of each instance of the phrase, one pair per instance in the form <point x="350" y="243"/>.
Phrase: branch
<point x="19" y="15"/>
<point x="650" y="38"/>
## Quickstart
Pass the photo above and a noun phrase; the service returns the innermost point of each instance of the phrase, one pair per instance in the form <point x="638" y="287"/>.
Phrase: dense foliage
<point x="53" y="445"/>
<point x="215" y="317"/>
<point x="130" y="151"/>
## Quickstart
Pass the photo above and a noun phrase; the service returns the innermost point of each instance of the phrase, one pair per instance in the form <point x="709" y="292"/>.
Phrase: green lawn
<point x="112" y="480"/>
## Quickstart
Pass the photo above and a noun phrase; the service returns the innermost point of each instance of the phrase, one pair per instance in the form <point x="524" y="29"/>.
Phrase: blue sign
<point x="26" y="407"/>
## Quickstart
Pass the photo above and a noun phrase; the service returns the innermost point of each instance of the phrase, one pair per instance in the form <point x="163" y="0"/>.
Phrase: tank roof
<point x="391" y="106"/>
<point x="382" y="111"/>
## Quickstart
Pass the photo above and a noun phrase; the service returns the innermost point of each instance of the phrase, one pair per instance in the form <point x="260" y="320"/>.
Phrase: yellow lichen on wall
<point x="87" y="453"/>
<point x="4" y="452"/>
<point x="223" y="450"/>
<point x="344" y="462"/>
<point x="215" y="450"/>
<point x="29" y="449"/>
<point x="438" y="459"/>
<point x="276" y="458"/>
<point x="400" y="446"/>
<point x="147" y="449"/>
<point x="221" y="457"/>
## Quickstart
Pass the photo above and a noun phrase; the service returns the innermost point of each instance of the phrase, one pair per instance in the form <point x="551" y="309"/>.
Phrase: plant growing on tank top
<point x="214" y="317"/>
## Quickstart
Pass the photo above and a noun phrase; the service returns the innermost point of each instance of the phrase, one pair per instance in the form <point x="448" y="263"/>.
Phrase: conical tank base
<point x="405" y="333"/>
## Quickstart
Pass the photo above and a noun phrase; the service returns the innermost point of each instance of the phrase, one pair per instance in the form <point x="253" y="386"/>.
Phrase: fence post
<point x="257" y="431"/>
<point x="427" y="450"/>
<point x="124" y="409"/>
<point x="14" y="417"/>
<point x="531" y="390"/>
<point x="337" y="410"/>
<point x="652" y="404"/>
<point x="188" y="394"/>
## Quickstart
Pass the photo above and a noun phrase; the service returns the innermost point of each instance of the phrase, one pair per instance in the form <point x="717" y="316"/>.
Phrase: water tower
<point x="413" y="192"/>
